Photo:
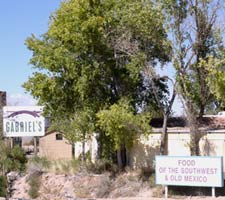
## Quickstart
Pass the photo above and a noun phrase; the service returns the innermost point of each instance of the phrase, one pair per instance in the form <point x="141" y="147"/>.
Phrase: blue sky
<point x="18" y="20"/>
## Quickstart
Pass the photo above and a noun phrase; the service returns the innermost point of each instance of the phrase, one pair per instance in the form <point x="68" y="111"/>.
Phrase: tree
<point x="93" y="55"/>
<point x="123" y="126"/>
<point x="77" y="128"/>
<point x="93" y="52"/>
<point x="164" y="101"/>
<point x="194" y="39"/>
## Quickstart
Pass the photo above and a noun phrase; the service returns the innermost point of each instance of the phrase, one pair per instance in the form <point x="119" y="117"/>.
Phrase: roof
<point x="209" y="122"/>
<point x="172" y="122"/>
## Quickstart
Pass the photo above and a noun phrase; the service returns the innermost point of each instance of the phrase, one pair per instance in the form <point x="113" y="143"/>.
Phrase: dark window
<point x="59" y="136"/>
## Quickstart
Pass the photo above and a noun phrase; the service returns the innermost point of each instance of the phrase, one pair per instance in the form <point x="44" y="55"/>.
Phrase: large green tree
<point x="93" y="54"/>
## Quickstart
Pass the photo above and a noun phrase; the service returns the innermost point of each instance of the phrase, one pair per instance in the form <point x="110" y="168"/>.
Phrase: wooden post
<point x="11" y="142"/>
<point x="35" y="145"/>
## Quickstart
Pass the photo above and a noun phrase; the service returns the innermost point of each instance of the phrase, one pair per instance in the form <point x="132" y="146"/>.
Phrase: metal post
<point x="213" y="192"/>
<point x="166" y="191"/>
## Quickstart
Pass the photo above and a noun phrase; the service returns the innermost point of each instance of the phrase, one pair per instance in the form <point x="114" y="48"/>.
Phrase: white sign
<point x="189" y="171"/>
<point x="19" y="121"/>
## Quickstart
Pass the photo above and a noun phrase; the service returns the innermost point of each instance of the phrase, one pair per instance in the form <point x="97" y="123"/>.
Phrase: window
<point x="58" y="136"/>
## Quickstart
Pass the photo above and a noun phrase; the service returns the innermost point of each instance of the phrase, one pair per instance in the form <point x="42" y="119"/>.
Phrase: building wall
<point x="142" y="155"/>
<point x="78" y="149"/>
<point x="144" y="151"/>
<point x="54" y="149"/>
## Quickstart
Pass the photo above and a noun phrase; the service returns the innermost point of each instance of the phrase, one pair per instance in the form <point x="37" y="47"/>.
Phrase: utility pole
<point x="2" y="104"/>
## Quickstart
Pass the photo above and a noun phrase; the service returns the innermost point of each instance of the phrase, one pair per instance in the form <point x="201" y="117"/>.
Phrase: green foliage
<point x="93" y="54"/>
<point x="34" y="183"/>
<point x="102" y="166"/>
<point x="122" y="124"/>
<point x="195" y="38"/>
<point x="76" y="128"/>
<point x="38" y="164"/>
<point x="3" y="186"/>
<point x="108" y="147"/>
<point x="216" y="77"/>
<point x="18" y="158"/>
<point x="12" y="159"/>
<point x="67" y="166"/>
<point x="193" y="44"/>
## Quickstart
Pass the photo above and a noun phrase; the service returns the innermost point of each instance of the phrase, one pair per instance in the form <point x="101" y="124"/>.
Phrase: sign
<point x="189" y="171"/>
<point x="19" y="121"/>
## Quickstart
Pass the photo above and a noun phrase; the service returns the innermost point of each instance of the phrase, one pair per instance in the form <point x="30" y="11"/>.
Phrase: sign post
<point x="189" y="171"/>
<point x="213" y="192"/>
<point x="166" y="192"/>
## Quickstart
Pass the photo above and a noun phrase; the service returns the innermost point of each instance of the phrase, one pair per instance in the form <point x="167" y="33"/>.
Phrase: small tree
<point x="164" y="101"/>
<point x="76" y="128"/>
<point x="124" y="127"/>
<point x="11" y="159"/>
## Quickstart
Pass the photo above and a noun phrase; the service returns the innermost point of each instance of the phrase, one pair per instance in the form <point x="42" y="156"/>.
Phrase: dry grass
<point x="84" y="182"/>
<point x="125" y="185"/>
<point x="93" y="186"/>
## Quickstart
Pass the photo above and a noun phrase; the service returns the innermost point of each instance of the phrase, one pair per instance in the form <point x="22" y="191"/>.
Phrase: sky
<point x="18" y="20"/>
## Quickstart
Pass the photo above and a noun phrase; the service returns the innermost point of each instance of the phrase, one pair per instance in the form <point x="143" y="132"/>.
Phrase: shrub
<point x="34" y="183"/>
<point x="3" y="186"/>
<point x="12" y="159"/>
<point x="18" y="158"/>
<point x="38" y="164"/>
<point x="101" y="166"/>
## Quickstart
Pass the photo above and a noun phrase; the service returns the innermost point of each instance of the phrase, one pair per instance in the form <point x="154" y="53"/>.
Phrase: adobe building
<point x="212" y="142"/>
<point x="54" y="146"/>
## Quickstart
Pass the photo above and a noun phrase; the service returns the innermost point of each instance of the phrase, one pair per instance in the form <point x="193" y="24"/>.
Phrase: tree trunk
<point x="99" y="148"/>
<point x="194" y="131"/>
<point x="122" y="157"/>
<point x="83" y="151"/>
<point x="119" y="159"/>
<point x="164" y="137"/>
<point x="194" y="143"/>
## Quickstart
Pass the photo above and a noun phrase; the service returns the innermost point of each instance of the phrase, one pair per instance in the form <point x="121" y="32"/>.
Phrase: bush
<point x="12" y="159"/>
<point x="38" y="165"/>
<point x="18" y="157"/>
<point x="101" y="166"/>
<point x="34" y="183"/>
<point x="3" y="186"/>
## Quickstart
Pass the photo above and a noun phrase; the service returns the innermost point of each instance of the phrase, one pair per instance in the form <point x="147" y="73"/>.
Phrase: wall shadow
<point x="142" y="156"/>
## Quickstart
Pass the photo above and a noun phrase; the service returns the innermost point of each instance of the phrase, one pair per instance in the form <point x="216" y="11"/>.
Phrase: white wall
<point x="144" y="150"/>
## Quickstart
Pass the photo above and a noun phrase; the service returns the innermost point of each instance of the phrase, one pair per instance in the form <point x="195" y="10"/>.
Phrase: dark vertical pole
<point x="2" y="104"/>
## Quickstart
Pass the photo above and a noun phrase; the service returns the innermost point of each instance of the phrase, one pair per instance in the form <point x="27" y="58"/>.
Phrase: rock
<point x="12" y="176"/>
